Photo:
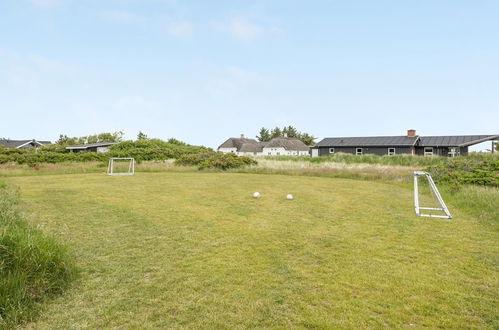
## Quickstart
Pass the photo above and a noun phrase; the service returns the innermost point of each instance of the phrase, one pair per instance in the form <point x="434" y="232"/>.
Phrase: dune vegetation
<point x="33" y="266"/>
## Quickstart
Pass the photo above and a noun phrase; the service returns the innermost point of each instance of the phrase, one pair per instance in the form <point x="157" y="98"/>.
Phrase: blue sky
<point x="202" y="71"/>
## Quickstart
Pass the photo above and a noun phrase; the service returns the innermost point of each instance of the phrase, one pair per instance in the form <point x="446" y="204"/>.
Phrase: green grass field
<point x="195" y="250"/>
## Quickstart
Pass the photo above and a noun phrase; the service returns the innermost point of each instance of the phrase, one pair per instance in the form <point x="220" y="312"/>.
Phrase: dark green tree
<point x="306" y="138"/>
<point x="276" y="132"/>
<point x="142" y="136"/>
<point x="289" y="131"/>
<point x="264" y="135"/>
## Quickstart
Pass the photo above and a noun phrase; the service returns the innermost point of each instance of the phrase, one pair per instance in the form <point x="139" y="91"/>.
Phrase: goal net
<point x="121" y="166"/>
<point x="436" y="199"/>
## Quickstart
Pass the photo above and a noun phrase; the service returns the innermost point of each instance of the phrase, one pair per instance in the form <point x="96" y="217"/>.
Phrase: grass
<point x="395" y="160"/>
<point x="33" y="266"/>
<point x="194" y="250"/>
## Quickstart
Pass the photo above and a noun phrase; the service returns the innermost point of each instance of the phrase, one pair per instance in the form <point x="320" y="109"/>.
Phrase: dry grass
<point x="332" y="169"/>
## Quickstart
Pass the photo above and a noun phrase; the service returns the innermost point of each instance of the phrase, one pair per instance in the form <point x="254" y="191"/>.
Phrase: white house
<point x="280" y="146"/>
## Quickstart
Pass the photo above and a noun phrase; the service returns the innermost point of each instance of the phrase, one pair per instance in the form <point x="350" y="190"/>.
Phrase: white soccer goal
<point x="436" y="195"/>
<point x="121" y="166"/>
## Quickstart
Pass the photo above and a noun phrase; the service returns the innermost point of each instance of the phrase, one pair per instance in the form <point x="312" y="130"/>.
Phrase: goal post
<point x="434" y="191"/>
<point x="114" y="168"/>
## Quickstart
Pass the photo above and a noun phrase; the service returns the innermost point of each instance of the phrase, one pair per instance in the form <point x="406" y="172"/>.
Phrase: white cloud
<point x="244" y="30"/>
<point x="181" y="29"/>
<point x="233" y="81"/>
<point x="46" y="3"/>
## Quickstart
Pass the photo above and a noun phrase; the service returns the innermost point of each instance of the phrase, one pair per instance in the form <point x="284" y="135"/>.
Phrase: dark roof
<point x="287" y="143"/>
<point x="368" y="141"/>
<point x="17" y="143"/>
<point x="236" y="143"/>
<point x="454" y="141"/>
<point x="91" y="145"/>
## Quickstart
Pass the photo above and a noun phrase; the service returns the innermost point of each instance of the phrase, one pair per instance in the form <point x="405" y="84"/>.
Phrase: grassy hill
<point x="194" y="249"/>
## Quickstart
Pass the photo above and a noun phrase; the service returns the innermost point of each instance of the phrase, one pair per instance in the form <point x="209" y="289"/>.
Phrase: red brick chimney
<point x="411" y="132"/>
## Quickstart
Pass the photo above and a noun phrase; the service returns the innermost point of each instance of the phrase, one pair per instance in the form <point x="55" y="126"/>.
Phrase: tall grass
<point x="482" y="202"/>
<point x="32" y="265"/>
<point x="331" y="169"/>
<point x="396" y="160"/>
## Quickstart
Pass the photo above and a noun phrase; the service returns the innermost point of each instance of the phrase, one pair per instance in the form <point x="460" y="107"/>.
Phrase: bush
<point x="154" y="149"/>
<point x="140" y="150"/>
<point x="216" y="160"/>
<point x="32" y="265"/>
<point x="471" y="170"/>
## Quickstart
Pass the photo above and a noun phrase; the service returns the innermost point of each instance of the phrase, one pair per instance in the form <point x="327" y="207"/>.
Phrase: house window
<point x="278" y="153"/>
<point x="453" y="152"/>
<point x="428" y="151"/>
<point x="270" y="153"/>
<point x="391" y="151"/>
<point x="331" y="150"/>
<point x="358" y="151"/>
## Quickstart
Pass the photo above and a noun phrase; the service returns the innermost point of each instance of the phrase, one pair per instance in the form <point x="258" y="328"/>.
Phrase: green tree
<point x="102" y="137"/>
<point x="264" y="135"/>
<point x="142" y="136"/>
<point x="306" y="138"/>
<point x="276" y="132"/>
<point x="291" y="132"/>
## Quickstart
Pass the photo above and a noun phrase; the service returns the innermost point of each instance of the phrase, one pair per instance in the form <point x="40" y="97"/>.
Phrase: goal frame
<point x="443" y="208"/>
<point x="131" y="166"/>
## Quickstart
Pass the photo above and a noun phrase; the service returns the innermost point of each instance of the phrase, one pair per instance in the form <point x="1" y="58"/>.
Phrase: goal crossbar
<point x="131" y="166"/>
<point x="443" y="208"/>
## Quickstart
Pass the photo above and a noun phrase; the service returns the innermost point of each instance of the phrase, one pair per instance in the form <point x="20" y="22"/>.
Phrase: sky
<point x="203" y="71"/>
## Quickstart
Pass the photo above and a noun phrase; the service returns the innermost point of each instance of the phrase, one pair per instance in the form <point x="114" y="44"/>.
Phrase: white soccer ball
<point x="289" y="196"/>
<point x="256" y="194"/>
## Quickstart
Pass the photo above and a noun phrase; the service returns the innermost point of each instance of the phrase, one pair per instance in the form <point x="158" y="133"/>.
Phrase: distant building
<point x="23" y="144"/>
<point x="92" y="147"/>
<point x="280" y="146"/>
<point x="411" y="144"/>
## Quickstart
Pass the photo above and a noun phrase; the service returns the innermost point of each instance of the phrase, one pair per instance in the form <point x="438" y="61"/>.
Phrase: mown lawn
<point x="195" y="250"/>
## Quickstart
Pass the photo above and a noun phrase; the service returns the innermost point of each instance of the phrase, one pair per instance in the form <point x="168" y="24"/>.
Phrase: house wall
<point x="381" y="151"/>
<point x="442" y="151"/>
<point x="283" y="152"/>
<point x="102" y="149"/>
<point x="227" y="150"/>
<point x="239" y="153"/>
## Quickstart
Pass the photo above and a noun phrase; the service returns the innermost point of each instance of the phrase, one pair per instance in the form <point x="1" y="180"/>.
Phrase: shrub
<point x="216" y="160"/>
<point x="471" y="170"/>
<point x="32" y="265"/>
<point x="153" y="149"/>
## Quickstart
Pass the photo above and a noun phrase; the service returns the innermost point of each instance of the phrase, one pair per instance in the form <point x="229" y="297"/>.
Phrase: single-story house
<point x="408" y="144"/>
<point x="23" y="144"/>
<point x="92" y="147"/>
<point x="279" y="146"/>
